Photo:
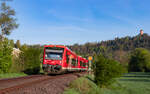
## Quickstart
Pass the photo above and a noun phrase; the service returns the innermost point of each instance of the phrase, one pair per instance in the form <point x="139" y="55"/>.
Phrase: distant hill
<point x="113" y="48"/>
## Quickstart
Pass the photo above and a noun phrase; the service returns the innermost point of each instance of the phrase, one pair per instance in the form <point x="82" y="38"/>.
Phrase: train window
<point x="81" y="63"/>
<point x="73" y="62"/>
<point x="84" y="64"/>
<point x="67" y="59"/>
<point x="54" y="53"/>
<point x="54" y="56"/>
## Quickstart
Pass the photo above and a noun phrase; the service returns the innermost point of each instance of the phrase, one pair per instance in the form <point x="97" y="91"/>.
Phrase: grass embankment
<point x="11" y="75"/>
<point x="83" y="85"/>
<point x="131" y="83"/>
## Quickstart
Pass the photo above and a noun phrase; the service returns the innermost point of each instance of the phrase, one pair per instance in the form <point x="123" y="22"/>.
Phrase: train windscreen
<point x="54" y="53"/>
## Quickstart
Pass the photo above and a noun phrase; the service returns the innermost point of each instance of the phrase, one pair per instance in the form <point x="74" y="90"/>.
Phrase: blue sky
<point x="79" y="21"/>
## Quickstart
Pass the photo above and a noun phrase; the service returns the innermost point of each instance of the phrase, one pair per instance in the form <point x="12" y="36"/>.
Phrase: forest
<point x="118" y="49"/>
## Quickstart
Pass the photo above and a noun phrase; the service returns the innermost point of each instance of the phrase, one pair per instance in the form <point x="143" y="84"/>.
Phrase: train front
<point x="53" y="59"/>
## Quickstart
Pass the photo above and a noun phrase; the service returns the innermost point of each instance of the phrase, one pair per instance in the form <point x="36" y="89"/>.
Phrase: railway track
<point x="7" y="86"/>
<point x="5" y="83"/>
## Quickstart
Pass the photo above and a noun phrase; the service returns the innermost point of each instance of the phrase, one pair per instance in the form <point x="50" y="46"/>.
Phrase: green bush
<point x="106" y="70"/>
<point x="17" y="64"/>
<point x="32" y="60"/>
<point x="140" y="60"/>
<point x="28" y="60"/>
<point x="5" y="55"/>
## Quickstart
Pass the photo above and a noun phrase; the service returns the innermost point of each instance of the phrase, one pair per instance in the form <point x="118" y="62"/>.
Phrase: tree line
<point x="118" y="49"/>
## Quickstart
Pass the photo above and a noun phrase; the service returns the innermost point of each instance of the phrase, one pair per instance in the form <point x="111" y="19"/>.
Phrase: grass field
<point x="11" y="75"/>
<point x="131" y="83"/>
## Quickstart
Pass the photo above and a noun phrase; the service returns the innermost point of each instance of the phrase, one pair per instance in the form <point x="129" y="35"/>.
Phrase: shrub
<point x="106" y="70"/>
<point x="32" y="60"/>
<point x="17" y="64"/>
<point x="5" y="55"/>
<point x="140" y="60"/>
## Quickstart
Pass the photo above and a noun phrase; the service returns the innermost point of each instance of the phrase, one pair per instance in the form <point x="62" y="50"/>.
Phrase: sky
<point x="67" y="22"/>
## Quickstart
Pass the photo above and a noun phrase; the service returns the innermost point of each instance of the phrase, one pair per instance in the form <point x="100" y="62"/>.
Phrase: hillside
<point x="117" y="48"/>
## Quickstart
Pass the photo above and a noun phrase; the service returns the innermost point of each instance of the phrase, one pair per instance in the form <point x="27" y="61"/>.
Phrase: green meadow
<point x="131" y="83"/>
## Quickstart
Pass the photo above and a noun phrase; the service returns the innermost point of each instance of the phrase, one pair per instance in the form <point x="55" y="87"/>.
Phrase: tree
<point x="18" y="45"/>
<point x="7" y="24"/>
<point x="106" y="70"/>
<point x="5" y="55"/>
<point x="24" y="47"/>
<point x="12" y="43"/>
<point x="32" y="60"/>
<point x="7" y="20"/>
<point x="140" y="60"/>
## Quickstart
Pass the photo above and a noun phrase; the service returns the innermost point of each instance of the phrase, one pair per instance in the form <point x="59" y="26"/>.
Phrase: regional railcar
<point x="59" y="59"/>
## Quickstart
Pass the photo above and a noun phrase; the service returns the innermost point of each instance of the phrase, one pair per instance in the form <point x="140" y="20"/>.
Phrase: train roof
<point x="62" y="46"/>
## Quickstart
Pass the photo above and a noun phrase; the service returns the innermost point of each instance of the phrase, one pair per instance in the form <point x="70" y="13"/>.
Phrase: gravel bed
<point x="52" y="85"/>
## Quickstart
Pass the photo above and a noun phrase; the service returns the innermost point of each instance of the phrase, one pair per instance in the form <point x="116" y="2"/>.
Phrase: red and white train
<point x="59" y="59"/>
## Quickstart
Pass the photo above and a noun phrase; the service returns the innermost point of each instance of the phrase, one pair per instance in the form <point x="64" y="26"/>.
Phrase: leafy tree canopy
<point x="140" y="60"/>
<point x="7" y="19"/>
